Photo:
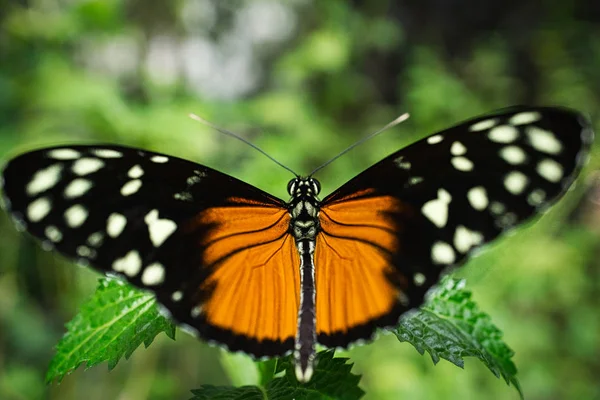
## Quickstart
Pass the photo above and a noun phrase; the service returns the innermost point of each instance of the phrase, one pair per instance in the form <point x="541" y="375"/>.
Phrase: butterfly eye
<point x="291" y="188"/>
<point x="316" y="186"/>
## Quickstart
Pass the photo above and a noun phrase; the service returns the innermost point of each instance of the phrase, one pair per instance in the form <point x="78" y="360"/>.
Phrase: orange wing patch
<point x="255" y="285"/>
<point x="353" y="264"/>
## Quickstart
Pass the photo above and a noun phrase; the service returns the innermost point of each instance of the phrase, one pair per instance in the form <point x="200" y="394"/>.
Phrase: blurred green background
<point x="303" y="79"/>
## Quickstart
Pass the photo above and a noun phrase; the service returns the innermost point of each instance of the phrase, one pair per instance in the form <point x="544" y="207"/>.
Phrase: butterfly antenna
<point x="229" y="133"/>
<point x="395" y="122"/>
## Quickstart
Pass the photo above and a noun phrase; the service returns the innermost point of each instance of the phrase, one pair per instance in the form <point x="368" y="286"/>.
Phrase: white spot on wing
<point x="536" y="197"/>
<point x="458" y="149"/>
<point x="543" y="140"/>
<point x="462" y="163"/>
<point x="64" y="154"/>
<point x="131" y="187"/>
<point x="76" y="215"/>
<point x="464" y="238"/>
<point x="87" y="165"/>
<point x="550" y="170"/>
<point x="160" y="229"/>
<point x="419" y="279"/>
<point x="130" y="264"/>
<point x="402" y="163"/>
<point x="53" y="233"/>
<point x="513" y="155"/>
<point x="437" y="210"/>
<point x="515" y="182"/>
<point x="435" y="139"/>
<point x="107" y="153"/>
<point x="159" y="159"/>
<point x="95" y="239"/>
<point x="442" y="253"/>
<point x="483" y="125"/>
<point x="38" y="209"/>
<point x="154" y="274"/>
<point x="135" y="172"/>
<point x="177" y="296"/>
<point x="115" y="224"/>
<point x="478" y="198"/>
<point x="77" y="187"/>
<point x="523" y="118"/>
<point x="503" y="134"/>
<point x="44" y="179"/>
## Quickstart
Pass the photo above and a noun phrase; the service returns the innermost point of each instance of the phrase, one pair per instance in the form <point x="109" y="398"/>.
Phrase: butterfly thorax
<point x="304" y="208"/>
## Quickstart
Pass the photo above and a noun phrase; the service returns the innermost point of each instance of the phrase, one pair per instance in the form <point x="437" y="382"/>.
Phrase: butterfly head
<point x="304" y="187"/>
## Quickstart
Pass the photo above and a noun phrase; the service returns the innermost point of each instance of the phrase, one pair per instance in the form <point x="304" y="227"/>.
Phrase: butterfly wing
<point x="388" y="233"/>
<point x="213" y="249"/>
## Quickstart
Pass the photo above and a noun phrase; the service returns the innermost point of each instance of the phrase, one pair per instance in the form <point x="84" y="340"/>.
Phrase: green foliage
<point x="111" y="325"/>
<point x="450" y="326"/>
<point x="332" y="379"/>
<point x="119" y="318"/>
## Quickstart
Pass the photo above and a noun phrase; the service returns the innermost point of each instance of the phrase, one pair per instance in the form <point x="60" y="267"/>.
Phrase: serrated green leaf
<point x="109" y="326"/>
<point x="332" y="379"/>
<point x="450" y="326"/>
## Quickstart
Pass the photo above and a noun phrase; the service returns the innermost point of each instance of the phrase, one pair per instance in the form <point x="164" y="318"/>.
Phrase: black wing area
<point x="179" y="229"/>
<point x="432" y="204"/>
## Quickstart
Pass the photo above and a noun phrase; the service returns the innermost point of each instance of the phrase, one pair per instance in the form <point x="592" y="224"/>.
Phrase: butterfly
<point x="240" y="267"/>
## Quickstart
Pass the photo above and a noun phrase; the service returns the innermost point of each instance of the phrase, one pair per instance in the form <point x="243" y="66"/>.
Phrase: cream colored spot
<point x="131" y="187"/>
<point x="115" y="224"/>
<point x="483" y="125"/>
<point x="401" y="163"/>
<point x="64" y="154"/>
<point x="458" y="149"/>
<point x="437" y="210"/>
<point x="159" y="159"/>
<point x="76" y="215"/>
<point x="462" y="163"/>
<point x="130" y="264"/>
<point x="503" y="134"/>
<point x="53" y="233"/>
<point x="543" y="140"/>
<point x="38" y="209"/>
<point x="154" y="274"/>
<point x="464" y="238"/>
<point x="177" y="296"/>
<point x="87" y="165"/>
<point x="478" y="198"/>
<point x="434" y="139"/>
<point x="550" y="170"/>
<point x="135" y="172"/>
<point x="85" y="251"/>
<point x="526" y="117"/>
<point x="515" y="182"/>
<point x="95" y="239"/>
<point x="497" y="208"/>
<point x="160" y="229"/>
<point x="44" y="179"/>
<point x="513" y="155"/>
<point x="196" y="311"/>
<point x="107" y="153"/>
<point x="77" y="187"/>
<point x="419" y="279"/>
<point x="442" y="253"/>
<point x="536" y="197"/>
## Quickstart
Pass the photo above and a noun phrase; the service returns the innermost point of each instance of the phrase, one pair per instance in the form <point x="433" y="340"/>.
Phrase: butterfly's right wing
<point x="388" y="233"/>
<point x="215" y="250"/>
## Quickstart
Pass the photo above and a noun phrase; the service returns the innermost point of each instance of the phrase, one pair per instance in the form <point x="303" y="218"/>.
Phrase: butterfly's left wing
<point x="388" y="233"/>
<point x="215" y="250"/>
